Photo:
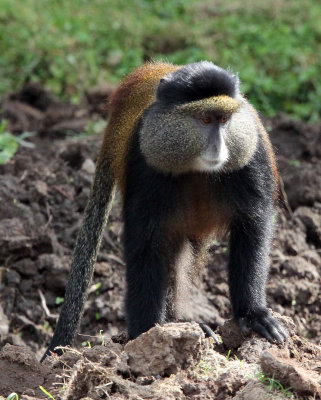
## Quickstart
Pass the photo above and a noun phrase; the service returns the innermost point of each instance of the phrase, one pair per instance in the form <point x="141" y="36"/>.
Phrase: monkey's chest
<point x="201" y="212"/>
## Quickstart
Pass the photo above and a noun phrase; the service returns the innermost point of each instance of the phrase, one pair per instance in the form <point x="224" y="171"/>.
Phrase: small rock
<point x="312" y="257"/>
<point x="41" y="188"/>
<point x="300" y="267"/>
<point x="57" y="270"/>
<point x="4" y="324"/>
<point x="13" y="237"/>
<point x="26" y="267"/>
<point x="190" y="389"/>
<point x="88" y="166"/>
<point x="12" y="277"/>
<point x="295" y="242"/>
<point x="312" y="222"/>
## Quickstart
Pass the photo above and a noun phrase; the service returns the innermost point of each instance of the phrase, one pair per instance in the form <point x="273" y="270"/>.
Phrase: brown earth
<point x="43" y="192"/>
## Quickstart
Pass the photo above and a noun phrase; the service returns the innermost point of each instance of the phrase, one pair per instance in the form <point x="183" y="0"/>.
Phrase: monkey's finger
<point x="281" y="329"/>
<point x="261" y="329"/>
<point x="283" y="332"/>
<point x="276" y="330"/>
<point x="245" y="327"/>
<point x="276" y="335"/>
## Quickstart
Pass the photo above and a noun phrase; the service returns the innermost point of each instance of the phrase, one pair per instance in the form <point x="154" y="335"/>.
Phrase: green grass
<point x="50" y="396"/>
<point x="274" y="385"/>
<point x="13" y="396"/>
<point x="73" y="44"/>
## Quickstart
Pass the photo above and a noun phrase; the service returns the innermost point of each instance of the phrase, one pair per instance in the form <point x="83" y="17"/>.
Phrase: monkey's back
<point x="127" y="104"/>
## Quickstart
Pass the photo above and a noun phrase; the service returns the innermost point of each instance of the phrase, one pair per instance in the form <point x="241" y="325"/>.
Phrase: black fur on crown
<point x="197" y="81"/>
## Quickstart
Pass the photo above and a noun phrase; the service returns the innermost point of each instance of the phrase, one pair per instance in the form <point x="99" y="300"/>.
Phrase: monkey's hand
<point x="264" y="324"/>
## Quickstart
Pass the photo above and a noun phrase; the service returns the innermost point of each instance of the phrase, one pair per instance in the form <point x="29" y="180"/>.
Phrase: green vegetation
<point x="73" y="44"/>
<point x="13" y="396"/>
<point x="205" y="368"/>
<point x="9" y="143"/>
<point x="274" y="385"/>
<point x="59" y="300"/>
<point x="46" y="393"/>
<point x="102" y="337"/>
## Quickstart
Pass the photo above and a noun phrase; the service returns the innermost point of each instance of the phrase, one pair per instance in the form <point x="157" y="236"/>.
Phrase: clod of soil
<point x="165" y="349"/>
<point x="291" y="373"/>
<point x="20" y="370"/>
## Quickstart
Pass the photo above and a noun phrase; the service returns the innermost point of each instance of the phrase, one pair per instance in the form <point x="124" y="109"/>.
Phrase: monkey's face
<point x="212" y="126"/>
<point x="207" y="135"/>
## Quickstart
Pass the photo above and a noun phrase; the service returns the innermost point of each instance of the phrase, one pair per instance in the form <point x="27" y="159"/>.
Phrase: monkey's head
<point x="199" y="122"/>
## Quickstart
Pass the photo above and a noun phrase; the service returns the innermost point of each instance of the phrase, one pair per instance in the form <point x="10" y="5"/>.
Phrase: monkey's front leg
<point x="250" y="239"/>
<point x="149" y="256"/>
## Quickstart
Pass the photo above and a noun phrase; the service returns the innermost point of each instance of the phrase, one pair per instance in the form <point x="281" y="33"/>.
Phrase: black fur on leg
<point x="150" y="254"/>
<point x="148" y="270"/>
<point x="250" y="239"/>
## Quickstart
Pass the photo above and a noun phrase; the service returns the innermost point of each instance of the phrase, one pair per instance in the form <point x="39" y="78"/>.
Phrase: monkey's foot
<point x="209" y="333"/>
<point x="264" y="324"/>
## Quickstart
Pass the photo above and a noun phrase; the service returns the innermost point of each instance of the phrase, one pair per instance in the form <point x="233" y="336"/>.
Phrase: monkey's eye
<point x="224" y="119"/>
<point x="206" y="119"/>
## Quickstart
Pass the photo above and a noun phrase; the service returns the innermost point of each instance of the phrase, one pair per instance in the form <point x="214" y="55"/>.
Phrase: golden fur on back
<point x="128" y="102"/>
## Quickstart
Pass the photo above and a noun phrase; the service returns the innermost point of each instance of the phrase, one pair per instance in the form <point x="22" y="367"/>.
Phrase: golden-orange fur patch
<point x="202" y="212"/>
<point x="128" y="102"/>
<point x="220" y="103"/>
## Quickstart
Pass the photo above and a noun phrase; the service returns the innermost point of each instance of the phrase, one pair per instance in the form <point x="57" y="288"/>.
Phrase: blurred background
<point x="71" y="45"/>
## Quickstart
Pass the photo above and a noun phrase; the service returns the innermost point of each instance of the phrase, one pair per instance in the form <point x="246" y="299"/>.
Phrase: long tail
<point x="84" y="256"/>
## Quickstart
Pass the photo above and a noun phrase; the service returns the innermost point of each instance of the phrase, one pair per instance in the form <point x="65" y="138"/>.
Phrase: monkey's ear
<point x="164" y="79"/>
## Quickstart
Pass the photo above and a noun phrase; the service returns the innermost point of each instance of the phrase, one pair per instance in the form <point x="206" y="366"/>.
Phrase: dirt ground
<point x="43" y="192"/>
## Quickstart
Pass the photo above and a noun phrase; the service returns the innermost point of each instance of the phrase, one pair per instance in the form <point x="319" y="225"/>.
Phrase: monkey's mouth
<point x="211" y="161"/>
<point x="209" y="164"/>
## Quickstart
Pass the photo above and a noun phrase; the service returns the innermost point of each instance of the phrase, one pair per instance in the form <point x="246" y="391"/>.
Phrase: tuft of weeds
<point x="275" y="385"/>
